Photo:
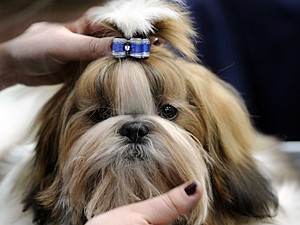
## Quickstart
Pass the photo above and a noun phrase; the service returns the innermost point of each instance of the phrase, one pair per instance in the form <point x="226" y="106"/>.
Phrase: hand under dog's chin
<point x="105" y="161"/>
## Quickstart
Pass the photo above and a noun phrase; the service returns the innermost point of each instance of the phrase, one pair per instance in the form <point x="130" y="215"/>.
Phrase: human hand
<point x="160" y="210"/>
<point x="48" y="53"/>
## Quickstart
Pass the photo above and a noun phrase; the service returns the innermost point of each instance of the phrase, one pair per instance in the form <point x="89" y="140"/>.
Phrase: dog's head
<point x="129" y="129"/>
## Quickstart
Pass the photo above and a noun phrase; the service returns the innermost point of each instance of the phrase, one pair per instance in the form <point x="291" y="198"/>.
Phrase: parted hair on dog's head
<point x="129" y="129"/>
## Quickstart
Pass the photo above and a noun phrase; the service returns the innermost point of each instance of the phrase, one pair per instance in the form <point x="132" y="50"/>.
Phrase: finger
<point x="159" y="210"/>
<point x="83" y="24"/>
<point x="167" y="207"/>
<point x="82" y="47"/>
<point x="78" y="26"/>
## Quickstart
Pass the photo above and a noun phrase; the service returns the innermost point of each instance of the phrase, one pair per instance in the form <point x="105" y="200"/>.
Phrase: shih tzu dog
<point x="139" y="122"/>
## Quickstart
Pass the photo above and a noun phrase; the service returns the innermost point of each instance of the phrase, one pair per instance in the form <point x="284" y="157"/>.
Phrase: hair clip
<point x="135" y="47"/>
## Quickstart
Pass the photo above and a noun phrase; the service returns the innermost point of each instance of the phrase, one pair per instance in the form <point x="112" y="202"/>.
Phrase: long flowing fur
<point x="188" y="125"/>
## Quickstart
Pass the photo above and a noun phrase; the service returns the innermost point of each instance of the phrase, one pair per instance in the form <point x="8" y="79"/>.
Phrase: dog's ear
<point x="238" y="186"/>
<point x="49" y="125"/>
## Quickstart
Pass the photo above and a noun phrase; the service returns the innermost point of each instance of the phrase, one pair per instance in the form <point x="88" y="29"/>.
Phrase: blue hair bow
<point x="135" y="47"/>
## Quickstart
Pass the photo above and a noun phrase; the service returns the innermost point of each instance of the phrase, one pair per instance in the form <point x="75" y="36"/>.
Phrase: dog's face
<point x="131" y="130"/>
<point x="127" y="130"/>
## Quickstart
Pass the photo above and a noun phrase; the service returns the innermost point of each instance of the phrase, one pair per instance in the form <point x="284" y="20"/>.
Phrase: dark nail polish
<point x="191" y="188"/>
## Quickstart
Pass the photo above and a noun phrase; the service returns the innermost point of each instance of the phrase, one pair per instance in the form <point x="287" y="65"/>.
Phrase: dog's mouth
<point x="135" y="152"/>
<point x="125" y="161"/>
<point x="135" y="136"/>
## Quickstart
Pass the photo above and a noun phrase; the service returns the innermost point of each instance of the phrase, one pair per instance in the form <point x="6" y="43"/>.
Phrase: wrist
<point x="6" y="68"/>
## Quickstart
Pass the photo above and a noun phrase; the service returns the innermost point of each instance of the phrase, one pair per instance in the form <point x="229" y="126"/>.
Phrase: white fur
<point x="12" y="186"/>
<point x="134" y="16"/>
<point x="275" y="165"/>
<point x="19" y="106"/>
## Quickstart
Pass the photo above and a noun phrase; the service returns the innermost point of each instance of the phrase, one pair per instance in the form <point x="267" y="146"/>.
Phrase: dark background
<point x="255" y="45"/>
<point x="17" y="15"/>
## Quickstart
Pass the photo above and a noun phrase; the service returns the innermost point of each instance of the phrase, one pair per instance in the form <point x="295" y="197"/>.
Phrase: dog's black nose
<point x="135" y="131"/>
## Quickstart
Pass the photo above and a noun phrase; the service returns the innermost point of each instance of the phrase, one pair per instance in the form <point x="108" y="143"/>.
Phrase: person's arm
<point x="6" y="78"/>
<point x="45" y="53"/>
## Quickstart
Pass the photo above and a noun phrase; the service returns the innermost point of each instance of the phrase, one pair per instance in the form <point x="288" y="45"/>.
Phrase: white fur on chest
<point x="19" y="107"/>
<point x="275" y="165"/>
<point x="13" y="185"/>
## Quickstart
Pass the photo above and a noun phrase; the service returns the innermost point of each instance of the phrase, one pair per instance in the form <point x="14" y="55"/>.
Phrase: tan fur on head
<point x="186" y="124"/>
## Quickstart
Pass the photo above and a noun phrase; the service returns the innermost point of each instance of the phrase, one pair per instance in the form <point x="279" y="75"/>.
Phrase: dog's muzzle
<point x="135" y="132"/>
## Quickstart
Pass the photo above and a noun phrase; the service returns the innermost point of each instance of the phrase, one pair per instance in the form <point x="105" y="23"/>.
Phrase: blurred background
<point x="17" y="15"/>
<point x="255" y="46"/>
<point x="252" y="44"/>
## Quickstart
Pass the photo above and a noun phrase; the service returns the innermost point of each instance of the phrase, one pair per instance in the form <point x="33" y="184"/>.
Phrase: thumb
<point x="165" y="208"/>
<point x="159" y="210"/>
<point x="95" y="47"/>
<point x="83" y="47"/>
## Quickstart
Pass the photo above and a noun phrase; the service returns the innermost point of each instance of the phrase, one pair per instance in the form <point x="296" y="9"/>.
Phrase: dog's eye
<point x="169" y="112"/>
<point x="101" y="114"/>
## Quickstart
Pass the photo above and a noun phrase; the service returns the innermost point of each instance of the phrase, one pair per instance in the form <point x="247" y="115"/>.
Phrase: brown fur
<point x="83" y="168"/>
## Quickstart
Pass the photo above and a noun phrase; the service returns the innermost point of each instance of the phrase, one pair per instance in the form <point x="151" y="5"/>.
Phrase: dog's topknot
<point x="161" y="18"/>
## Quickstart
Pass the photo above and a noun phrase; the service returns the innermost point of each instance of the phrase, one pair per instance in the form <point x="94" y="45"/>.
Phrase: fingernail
<point x="191" y="188"/>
